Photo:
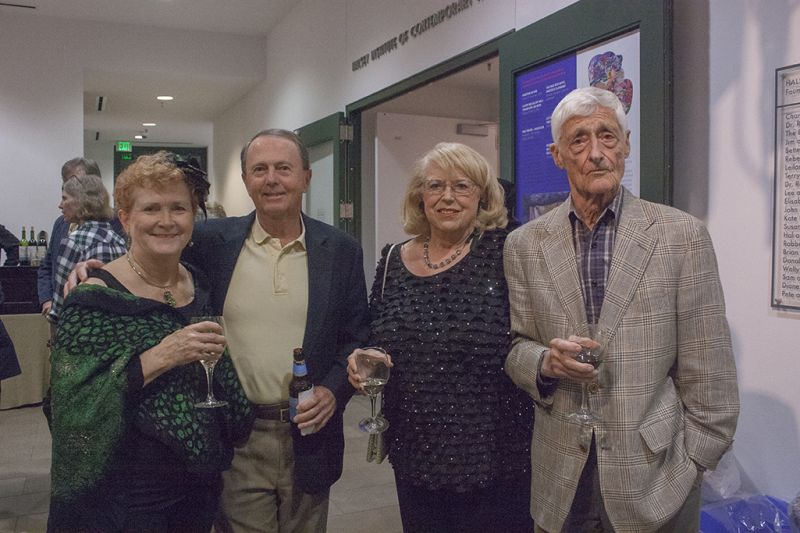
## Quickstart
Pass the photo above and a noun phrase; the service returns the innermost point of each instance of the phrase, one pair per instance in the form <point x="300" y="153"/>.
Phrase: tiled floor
<point x="363" y="500"/>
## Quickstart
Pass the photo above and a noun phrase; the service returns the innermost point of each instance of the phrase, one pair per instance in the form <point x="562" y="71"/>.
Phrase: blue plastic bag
<point x="757" y="514"/>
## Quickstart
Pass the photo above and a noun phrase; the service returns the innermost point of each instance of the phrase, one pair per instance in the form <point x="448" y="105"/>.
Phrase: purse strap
<point x="386" y="269"/>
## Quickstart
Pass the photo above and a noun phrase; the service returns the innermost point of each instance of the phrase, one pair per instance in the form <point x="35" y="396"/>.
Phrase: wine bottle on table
<point x="300" y="387"/>
<point x="33" y="249"/>
<point x="23" y="249"/>
<point x="42" y="245"/>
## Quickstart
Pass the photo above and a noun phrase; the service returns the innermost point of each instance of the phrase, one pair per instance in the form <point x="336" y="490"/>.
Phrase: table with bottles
<point x="29" y="332"/>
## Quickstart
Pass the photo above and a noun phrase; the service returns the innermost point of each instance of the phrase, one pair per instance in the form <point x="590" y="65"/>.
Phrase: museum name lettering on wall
<point x="451" y="10"/>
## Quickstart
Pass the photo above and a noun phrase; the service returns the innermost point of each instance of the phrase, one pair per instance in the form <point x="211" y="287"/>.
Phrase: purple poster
<point x="539" y="181"/>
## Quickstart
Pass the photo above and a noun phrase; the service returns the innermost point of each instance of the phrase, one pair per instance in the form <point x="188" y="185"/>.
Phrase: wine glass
<point x="374" y="373"/>
<point x="593" y="355"/>
<point x="208" y="365"/>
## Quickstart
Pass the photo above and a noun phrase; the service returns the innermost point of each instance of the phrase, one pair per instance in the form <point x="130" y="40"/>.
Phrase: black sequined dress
<point x="457" y="422"/>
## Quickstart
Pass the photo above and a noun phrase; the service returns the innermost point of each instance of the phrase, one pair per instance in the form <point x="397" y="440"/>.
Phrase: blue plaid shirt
<point x="91" y="240"/>
<point x="593" y="251"/>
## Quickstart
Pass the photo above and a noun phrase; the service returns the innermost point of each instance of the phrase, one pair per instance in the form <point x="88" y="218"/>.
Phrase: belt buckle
<point x="284" y="415"/>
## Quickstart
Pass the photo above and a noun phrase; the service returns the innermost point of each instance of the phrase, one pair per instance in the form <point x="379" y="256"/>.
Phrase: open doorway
<point x="459" y="107"/>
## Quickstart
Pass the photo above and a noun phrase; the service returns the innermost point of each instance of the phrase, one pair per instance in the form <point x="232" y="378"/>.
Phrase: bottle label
<point x="293" y="402"/>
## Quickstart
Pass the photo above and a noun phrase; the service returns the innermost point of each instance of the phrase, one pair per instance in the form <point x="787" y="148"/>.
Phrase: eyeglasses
<point x="434" y="187"/>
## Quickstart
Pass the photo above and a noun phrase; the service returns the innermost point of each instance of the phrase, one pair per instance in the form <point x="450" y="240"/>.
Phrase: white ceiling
<point x="243" y="17"/>
<point x="128" y="97"/>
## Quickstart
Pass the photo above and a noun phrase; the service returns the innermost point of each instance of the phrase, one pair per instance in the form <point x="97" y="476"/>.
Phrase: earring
<point x="128" y="242"/>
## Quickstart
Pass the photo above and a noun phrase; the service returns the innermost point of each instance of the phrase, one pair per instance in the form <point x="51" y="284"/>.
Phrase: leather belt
<point x="273" y="411"/>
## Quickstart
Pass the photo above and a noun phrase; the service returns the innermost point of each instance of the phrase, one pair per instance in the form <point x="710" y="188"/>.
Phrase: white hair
<point x="582" y="103"/>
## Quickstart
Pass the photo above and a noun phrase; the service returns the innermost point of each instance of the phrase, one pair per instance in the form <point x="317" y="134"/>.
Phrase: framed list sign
<point x="786" y="229"/>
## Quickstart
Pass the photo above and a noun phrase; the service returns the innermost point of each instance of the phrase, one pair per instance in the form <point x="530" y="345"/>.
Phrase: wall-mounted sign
<point x="427" y="23"/>
<point x="124" y="146"/>
<point x="786" y="225"/>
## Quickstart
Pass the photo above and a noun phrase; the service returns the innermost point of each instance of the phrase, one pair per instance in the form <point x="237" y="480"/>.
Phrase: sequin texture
<point x="457" y="421"/>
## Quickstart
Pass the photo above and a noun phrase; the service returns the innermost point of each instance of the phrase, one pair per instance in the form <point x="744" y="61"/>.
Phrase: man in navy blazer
<point x="282" y="279"/>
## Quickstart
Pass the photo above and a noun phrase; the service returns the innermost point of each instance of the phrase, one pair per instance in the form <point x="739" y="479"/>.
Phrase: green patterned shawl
<point x="95" y="400"/>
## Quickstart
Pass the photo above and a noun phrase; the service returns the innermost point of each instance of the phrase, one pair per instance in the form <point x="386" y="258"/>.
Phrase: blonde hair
<point x="455" y="158"/>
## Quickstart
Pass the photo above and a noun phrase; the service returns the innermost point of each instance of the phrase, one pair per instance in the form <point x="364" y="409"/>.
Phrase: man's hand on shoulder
<point x="80" y="273"/>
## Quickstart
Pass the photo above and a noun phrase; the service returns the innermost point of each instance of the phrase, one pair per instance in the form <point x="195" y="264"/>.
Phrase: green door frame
<point x="333" y="129"/>
<point x="591" y="22"/>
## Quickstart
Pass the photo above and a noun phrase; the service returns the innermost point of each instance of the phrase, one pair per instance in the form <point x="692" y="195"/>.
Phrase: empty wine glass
<point x="373" y="370"/>
<point x="208" y="365"/>
<point x="591" y="353"/>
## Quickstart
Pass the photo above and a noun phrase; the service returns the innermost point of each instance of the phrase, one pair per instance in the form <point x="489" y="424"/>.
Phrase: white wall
<point x="725" y="55"/>
<point x="41" y="119"/>
<point x="726" y="177"/>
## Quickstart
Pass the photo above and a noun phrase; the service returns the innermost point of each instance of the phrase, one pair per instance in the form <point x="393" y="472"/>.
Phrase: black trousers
<point x="191" y="510"/>
<point x="502" y="508"/>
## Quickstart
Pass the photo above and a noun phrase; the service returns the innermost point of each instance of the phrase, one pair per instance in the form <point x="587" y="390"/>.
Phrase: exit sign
<point x="124" y="146"/>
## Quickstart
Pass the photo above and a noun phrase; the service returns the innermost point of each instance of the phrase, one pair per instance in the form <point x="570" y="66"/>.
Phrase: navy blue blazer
<point x="337" y="322"/>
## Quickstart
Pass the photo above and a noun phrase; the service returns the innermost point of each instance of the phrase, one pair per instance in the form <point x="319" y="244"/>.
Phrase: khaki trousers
<point x="259" y="493"/>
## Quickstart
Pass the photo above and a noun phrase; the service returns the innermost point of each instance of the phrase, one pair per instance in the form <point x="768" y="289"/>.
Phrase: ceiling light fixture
<point x="165" y="98"/>
<point x="138" y="137"/>
<point x="148" y="124"/>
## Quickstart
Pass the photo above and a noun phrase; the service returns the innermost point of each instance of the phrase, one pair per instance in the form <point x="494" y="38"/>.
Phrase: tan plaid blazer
<point x="667" y="387"/>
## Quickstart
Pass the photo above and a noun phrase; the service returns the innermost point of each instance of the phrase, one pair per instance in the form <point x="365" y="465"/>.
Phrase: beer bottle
<point x="300" y="387"/>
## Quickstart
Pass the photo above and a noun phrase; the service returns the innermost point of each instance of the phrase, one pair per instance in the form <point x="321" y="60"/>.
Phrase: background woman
<point x="459" y="429"/>
<point x="130" y="449"/>
<point x="84" y="202"/>
<point x="9" y="364"/>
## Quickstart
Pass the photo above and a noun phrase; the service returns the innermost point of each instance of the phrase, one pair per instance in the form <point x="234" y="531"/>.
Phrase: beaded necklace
<point x="447" y="261"/>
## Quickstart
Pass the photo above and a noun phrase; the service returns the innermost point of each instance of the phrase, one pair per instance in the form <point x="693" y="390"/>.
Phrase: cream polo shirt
<point x="265" y="312"/>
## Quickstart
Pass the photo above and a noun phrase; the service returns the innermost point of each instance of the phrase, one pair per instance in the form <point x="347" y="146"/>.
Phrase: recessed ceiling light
<point x="165" y="98"/>
<point x="139" y="137"/>
<point x="148" y="124"/>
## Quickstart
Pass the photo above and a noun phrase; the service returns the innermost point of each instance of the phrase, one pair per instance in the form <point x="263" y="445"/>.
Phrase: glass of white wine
<point x="208" y="365"/>
<point x="372" y="367"/>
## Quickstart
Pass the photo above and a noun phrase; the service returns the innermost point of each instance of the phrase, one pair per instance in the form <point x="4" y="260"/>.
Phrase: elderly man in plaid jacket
<point x="665" y="398"/>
